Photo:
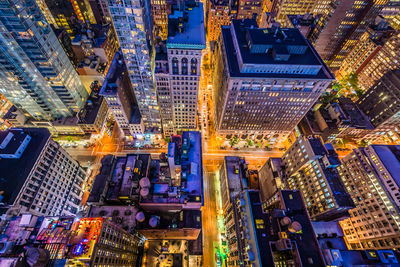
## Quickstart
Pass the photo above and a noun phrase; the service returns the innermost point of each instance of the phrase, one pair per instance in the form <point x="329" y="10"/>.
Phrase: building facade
<point x="385" y="60"/>
<point x="257" y="239"/>
<point x="131" y="22"/>
<point x="93" y="241"/>
<point x="118" y="93"/>
<point x="36" y="74"/>
<point x="263" y="88"/>
<point x="371" y="177"/>
<point x="283" y="8"/>
<point x="39" y="177"/>
<point x="311" y="167"/>
<point x="179" y="90"/>
<point x="369" y="44"/>
<point x="218" y="14"/>
<point x="159" y="12"/>
<point x="381" y="103"/>
<point x="347" y="22"/>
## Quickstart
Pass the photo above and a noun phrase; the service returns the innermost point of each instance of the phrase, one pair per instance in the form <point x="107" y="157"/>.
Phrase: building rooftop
<point x="88" y="114"/>
<point x="136" y="117"/>
<point x="288" y="203"/>
<point x="186" y="28"/>
<point x="390" y="157"/>
<point x="236" y="175"/>
<point x="114" y="74"/>
<point x="272" y="46"/>
<point x="101" y="179"/>
<point x="186" y="155"/>
<point x="350" y="114"/>
<point x="128" y="170"/>
<point x="13" y="172"/>
<point x="10" y="141"/>
<point x="172" y="220"/>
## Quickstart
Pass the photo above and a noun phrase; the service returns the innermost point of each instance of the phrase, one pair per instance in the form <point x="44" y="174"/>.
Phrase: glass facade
<point x="35" y="73"/>
<point x="129" y="18"/>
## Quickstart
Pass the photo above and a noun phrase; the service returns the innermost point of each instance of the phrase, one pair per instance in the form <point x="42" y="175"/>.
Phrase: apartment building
<point x="36" y="75"/>
<point x="186" y="40"/>
<point x="311" y="167"/>
<point x="265" y="80"/>
<point x="371" y="177"/>
<point x="118" y="93"/>
<point x="38" y="176"/>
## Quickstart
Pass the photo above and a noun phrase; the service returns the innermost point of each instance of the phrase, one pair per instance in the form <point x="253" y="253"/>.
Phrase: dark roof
<point x="101" y="179"/>
<point x="14" y="143"/>
<point x="247" y="31"/>
<point x="14" y="172"/>
<point x="88" y="114"/>
<point x="135" y="117"/>
<point x="390" y="157"/>
<point x="294" y="208"/>
<point x="114" y="73"/>
<point x="10" y="113"/>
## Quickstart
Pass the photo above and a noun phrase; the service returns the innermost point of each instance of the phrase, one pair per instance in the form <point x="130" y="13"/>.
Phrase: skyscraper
<point x="366" y="48"/>
<point x="38" y="176"/>
<point x="282" y="8"/>
<point x="159" y="13"/>
<point x="131" y="23"/>
<point x="118" y="93"/>
<point x="386" y="59"/>
<point x="35" y="73"/>
<point x="218" y="14"/>
<point x="371" y="176"/>
<point x="382" y="104"/>
<point x="265" y="80"/>
<point x="276" y="233"/>
<point x="345" y="24"/>
<point x="186" y="40"/>
<point x="311" y="167"/>
<point x="90" y="241"/>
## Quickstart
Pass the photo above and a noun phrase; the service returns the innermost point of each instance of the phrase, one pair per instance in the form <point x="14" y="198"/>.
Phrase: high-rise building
<point x="218" y="14"/>
<point x="118" y="93"/>
<point x="340" y="119"/>
<point x="381" y="103"/>
<point x="346" y="22"/>
<point x="100" y="11"/>
<point x="282" y="8"/>
<point x="275" y="233"/>
<point x="336" y="252"/>
<point x="386" y="59"/>
<point x="186" y="40"/>
<point x="265" y="80"/>
<point x="272" y="178"/>
<point x="5" y="106"/>
<point x="311" y="167"/>
<point x="159" y="12"/>
<point x="36" y="74"/>
<point x="132" y="25"/>
<point x="93" y="116"/>
<point x="67" y="14"/>
<point x="246" y="9"/>
<point x="162" y="77"/>
<point x="371" y="176"/>
<point x="234" y="177"/>
<point x="370" y="43"/>
<point x="38" y="176"/>
<point x="91" y="241"/>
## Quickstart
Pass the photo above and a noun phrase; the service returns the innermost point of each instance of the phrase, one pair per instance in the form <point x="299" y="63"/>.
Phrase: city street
<point x="209" y="214"/>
